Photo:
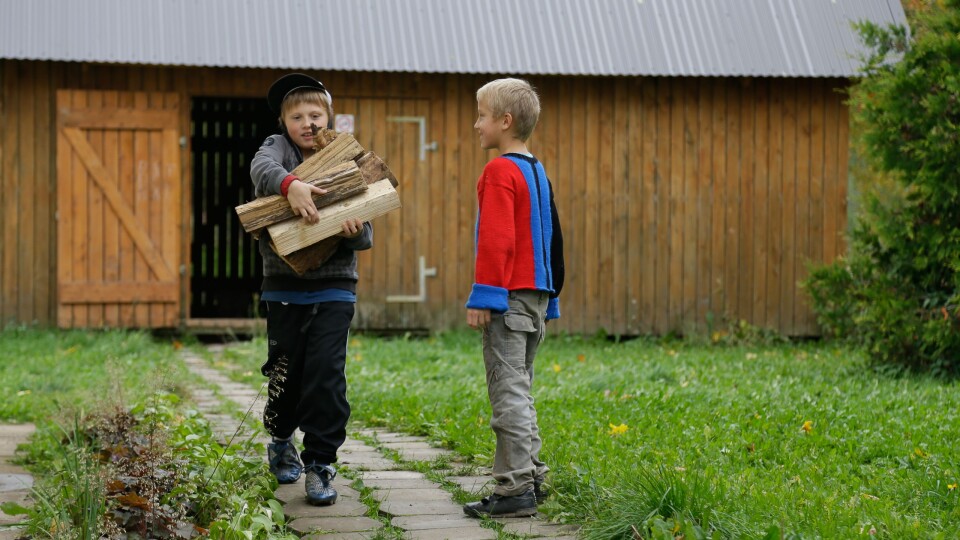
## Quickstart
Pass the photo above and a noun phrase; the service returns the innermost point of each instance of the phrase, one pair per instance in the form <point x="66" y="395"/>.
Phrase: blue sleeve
<point x="488" y="297"/>
<point x="553" y="308"/>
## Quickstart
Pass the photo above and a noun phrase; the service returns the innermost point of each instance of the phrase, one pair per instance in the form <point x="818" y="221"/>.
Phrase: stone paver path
<point x="15" y="482"/>
<point x="408" y="500"/>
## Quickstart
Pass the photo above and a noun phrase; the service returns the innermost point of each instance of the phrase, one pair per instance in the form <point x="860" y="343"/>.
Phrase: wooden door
<point x="119" y="209"/>
<point x="389" y="295"/>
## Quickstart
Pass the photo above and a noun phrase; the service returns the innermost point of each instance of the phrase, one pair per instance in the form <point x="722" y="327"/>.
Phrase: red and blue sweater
<point x="518" y="237"/>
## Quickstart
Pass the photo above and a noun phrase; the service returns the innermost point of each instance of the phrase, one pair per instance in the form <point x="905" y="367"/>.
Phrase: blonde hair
<point x="306" y="95"/>
<point x="514" y="96"/>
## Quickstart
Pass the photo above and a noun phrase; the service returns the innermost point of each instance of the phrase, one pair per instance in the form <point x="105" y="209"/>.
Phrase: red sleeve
<point x="285" y="185"/>
<point x="496" y="232"/>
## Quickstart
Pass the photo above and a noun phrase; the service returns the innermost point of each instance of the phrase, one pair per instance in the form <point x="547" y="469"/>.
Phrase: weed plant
<point x="712" y="440"/>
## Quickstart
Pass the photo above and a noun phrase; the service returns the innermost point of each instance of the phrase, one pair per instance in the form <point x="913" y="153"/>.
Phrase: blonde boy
<point x="518" y="277"/>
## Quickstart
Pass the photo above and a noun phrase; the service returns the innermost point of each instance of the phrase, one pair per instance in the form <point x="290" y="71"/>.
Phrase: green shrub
<point x="898" y="292"/>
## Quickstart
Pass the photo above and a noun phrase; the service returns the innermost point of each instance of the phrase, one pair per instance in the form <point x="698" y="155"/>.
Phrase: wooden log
<point x="294" y="234"/>
<point x="342" y="149"/>
<point x="311" y="256"/>
<point x="342" y="181"/>
<point x="374" y="169"/>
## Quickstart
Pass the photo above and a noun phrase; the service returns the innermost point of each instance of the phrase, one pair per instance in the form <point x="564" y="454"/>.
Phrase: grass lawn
<point x="795" y="441"/>
<point x="46" y="375"/>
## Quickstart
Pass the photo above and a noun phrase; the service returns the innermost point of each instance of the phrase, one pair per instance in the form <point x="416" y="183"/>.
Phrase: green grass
<point x="710" y="438"/>
<point x="47" y="375"/>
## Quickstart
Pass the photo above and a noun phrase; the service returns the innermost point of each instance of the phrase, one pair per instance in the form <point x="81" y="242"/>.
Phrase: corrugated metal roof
<point x="791" y="38"/>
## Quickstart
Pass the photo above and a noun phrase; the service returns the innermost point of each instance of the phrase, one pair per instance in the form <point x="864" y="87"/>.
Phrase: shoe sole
<point x="321" y="503"/>
<point x="525" y="512"/>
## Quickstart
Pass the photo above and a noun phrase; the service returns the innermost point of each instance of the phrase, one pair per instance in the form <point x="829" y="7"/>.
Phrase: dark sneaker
<point x="540" y="492"/>
<point x="319" y="490"/>
<point x="502" y="506"/>
<point x="284" y="461"/>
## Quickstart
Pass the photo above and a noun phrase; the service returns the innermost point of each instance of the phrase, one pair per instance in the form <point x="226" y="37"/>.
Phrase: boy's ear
<point x="506" y="121"/>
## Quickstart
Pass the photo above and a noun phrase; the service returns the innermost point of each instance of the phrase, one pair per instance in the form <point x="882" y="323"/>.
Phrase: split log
<point x="374" y="169"/>
<point x="295" y="234"/>
<point x="342" y="181"/>
<point x="311" y="256"/>
<point x="342" y="149"/>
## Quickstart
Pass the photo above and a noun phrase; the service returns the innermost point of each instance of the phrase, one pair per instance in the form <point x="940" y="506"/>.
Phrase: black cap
<point x="288" y="83"/>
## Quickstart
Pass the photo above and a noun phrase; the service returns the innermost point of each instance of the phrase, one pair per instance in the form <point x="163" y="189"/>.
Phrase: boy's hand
<point x="352" y="228"/>
<point x="478" y="319"/>
<point x="300" y="197"/>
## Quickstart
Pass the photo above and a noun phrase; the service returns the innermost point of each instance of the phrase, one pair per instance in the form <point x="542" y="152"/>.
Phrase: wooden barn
<point x="698" y="149"/>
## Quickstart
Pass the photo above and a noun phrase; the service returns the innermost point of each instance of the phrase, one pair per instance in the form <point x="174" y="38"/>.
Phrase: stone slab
<point x="10" y="533"/>
<point x="304" y="526"/>
<point x="426" y="454"/>
<point x="367" y="535"/>
<point x="472" y="484"/>
<point x="13" y="434"/>
<point x="416" y="508"/>
<point x="420" y="445"/>
<point x="407" y="495"/>
<point x="15" y="482"/>
<point x="344" y="507"/>
<point x="399" y="483"/>
<point x="21" y="497"/>
<point x="393" y="475"/>
<point x="461" y="533"/>
<point x="385" y="438"/>
<point x="448" y="521"/>
<point x="292" y="492"/>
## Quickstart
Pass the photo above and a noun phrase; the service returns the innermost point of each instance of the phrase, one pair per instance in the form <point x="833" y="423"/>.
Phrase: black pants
<point x="306" y="356"/>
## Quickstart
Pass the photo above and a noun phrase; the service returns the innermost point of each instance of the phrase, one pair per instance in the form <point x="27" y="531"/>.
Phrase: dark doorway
<point x="226" y="268"/>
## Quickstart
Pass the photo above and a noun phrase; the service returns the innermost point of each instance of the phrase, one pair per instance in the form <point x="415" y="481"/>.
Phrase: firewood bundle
<point x="359" y="185"/>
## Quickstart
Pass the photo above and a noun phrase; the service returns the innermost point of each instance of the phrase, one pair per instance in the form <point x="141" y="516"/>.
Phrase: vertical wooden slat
<point x="789" y="216"/>
<point x="591" y="209"/>
<point x="747" y="151"/>
<point x="814" y="232"/>
<point x="449" y="269"/>
<point x="691" y="171"/>
<point x="26" y="201"/>
<point x="662" y="174"/>
<point x="759" y="196"/>
<point x="623" y="290"/>
<point x="842" y="179"/>
<point x="732" y="253"/>
<point x="95" y="312"/>
<point x="606" y="282"/>
<point x="127" y="167"/>
<point x="436" y="305"/>
<point x="466" y="196"/>
<point x="805" y="138"/>
<point x="718" y="270"/>
<point x="64" y="215"/>
<point x="171" y="196"/>
<point x="111" y="225"/>
<point x="44" y="226"/>
<point x="705" y="105"/>
<point x="643" y="147"/>
<point x="775" y="206"/>
<point x="577" y="271"/>
<point x="676" y="204"/>
<point x="140" y="202"/>
<point x="634" y="177"/>
<point x="831" y="171"/>
<point x="81" y="203"/>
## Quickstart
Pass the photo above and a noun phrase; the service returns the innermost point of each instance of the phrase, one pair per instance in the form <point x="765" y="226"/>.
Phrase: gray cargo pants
<point x="510" y="344"/>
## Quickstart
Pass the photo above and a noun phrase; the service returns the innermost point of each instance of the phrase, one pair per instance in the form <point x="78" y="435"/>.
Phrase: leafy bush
<point x="898" y="292"/>
<point x="151" y="472"/>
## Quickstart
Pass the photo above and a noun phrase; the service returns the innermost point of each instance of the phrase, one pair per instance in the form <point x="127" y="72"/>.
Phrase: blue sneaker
<point x="319" y="490"/>
<point x="284" y="461"/>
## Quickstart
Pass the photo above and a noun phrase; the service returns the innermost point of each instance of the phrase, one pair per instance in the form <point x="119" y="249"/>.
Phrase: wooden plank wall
<point x="683" y="200"/>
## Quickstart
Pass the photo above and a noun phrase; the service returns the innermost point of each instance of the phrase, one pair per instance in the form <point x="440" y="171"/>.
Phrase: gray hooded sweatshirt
<point x="271" y="164"/>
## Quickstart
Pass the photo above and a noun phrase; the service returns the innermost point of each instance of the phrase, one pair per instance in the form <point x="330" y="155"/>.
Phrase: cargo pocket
<point x="519" y="322"/>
